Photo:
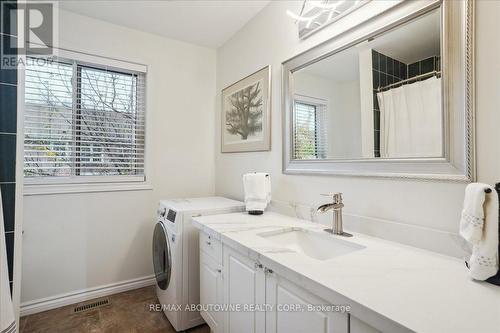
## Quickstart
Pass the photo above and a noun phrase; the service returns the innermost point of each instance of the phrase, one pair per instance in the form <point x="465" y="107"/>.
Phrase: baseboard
<point x="83" y="295"/>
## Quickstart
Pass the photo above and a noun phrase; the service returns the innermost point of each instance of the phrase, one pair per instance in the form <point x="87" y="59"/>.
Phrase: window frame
<point x="320" y="105"/>
<point x="106" y="183"/>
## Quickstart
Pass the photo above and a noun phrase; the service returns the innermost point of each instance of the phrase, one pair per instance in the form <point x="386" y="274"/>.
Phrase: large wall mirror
<point x="391" y="98"/>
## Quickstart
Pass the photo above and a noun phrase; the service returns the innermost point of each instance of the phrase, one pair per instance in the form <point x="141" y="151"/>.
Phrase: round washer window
<point x="162" y="259"/>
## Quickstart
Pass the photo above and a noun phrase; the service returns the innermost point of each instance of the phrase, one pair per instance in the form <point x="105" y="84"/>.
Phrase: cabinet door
<point x="358" y="326"/>
<point x="282" y="295"/>
<point x="244" y="285"/>
<point x="211" y="291"/>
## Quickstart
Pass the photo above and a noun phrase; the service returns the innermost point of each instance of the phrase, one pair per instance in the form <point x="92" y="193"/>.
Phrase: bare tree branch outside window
<point x="82" y="121"/>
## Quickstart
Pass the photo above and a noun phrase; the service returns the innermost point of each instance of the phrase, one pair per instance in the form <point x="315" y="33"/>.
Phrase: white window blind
<point x="83" y="122"/>
<point x="309" y="132"/>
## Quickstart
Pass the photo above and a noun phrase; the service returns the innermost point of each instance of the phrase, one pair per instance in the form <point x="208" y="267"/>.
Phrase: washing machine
<point x="176" y="255"/>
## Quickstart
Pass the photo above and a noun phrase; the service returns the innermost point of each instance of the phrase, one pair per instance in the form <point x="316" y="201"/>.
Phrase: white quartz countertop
<point x="417" y="289"/>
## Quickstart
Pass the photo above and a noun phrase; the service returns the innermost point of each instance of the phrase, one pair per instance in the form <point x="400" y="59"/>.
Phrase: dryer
<point x="176" y="255"/>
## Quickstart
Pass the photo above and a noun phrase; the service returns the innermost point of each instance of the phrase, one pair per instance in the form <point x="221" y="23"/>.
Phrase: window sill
<point x="46" y="189"/>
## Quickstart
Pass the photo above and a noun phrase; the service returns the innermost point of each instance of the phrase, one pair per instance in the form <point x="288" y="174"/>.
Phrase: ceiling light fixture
<point x="315" y="14"/>
<point x="326" y="5"/>
<point x="319" y="8"/>
<point x="301" y="18"/>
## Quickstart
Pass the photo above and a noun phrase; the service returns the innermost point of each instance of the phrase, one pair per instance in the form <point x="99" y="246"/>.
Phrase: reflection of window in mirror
<point x="309" y="137"/>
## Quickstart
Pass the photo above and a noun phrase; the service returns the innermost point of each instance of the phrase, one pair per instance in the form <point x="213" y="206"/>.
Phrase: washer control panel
<point x="171" y="215"/>
<point x="168" y="216"/>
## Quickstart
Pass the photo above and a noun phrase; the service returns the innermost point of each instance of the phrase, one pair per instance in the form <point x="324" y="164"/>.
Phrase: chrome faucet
<point x="337" y="206"/>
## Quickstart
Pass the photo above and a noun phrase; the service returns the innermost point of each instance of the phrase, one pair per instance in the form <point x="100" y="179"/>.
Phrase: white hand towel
<point x="483" y="262"/>
<point x="472" y="221"/>
<point x="257" y="188"/>
<point x="7" y="319"/>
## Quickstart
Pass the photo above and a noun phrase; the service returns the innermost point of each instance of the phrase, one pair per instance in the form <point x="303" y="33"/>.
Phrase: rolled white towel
<point x="257" y="187"/>
<point x="482" y="232"/>
<point x="472" y="220"/>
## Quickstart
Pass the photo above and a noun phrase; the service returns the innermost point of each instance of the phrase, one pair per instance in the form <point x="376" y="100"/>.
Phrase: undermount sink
<point x="312" y="244"/>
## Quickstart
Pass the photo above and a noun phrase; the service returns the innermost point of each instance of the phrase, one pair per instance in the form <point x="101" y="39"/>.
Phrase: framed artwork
<point x="246" y="116"/>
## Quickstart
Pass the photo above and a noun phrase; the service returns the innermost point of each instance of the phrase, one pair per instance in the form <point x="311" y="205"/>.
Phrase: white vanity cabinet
<point x="244" y="284"/>
<point x="282" y="294"/>
<point x="249" y="288"/>
<point x="211" y="291"/>
<point x="211" y="282"/>
<point x="273" y="260"/>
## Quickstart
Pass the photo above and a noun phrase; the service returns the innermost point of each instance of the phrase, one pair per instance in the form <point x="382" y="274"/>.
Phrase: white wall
<point x="345" y="123"/>
<point x="79" y="241"/>
<point x="487" y="88"/>
<point x="424" y="214"/>
<point x="366" y="102"/>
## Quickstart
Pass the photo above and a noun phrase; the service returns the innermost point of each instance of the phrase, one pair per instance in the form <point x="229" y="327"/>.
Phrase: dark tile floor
<point x="127" y="313"/>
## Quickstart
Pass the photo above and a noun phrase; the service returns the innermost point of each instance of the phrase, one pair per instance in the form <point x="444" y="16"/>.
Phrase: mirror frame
<point x="457" y="52"/>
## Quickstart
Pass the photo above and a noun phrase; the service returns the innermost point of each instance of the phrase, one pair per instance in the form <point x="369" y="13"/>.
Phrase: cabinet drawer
<point x="211" y="247"/>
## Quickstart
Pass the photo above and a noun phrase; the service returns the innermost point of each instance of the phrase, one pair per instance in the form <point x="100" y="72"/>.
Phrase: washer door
<point x="162" y="258"/>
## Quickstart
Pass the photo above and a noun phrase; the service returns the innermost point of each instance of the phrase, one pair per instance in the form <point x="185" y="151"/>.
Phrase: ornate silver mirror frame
<point x="458" y="163"/>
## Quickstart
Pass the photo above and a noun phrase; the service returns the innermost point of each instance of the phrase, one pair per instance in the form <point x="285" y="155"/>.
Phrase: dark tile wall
<point x="385" y="71"/>
<point x="424" y="66"/>
<point x="8" y="125"/>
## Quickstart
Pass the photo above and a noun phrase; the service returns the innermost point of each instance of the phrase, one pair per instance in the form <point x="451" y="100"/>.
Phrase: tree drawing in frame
<point x="244" y="115"/>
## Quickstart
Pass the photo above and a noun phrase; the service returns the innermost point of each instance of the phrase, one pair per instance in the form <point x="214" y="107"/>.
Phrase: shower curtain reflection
<point x="411" y="120"/>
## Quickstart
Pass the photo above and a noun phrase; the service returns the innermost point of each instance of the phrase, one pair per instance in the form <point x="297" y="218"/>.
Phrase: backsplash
<point x="8" y="129"/>
<point x="443" y="242"/>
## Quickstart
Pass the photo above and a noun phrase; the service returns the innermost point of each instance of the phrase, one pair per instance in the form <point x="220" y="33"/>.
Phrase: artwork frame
<point x="249" y="98"/>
